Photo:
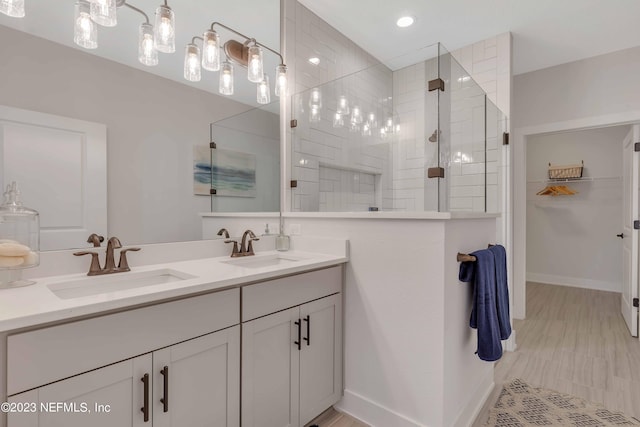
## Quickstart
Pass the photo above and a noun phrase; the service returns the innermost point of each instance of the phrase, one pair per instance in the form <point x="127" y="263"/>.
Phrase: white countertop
<point x="393" y="215"/>
<point x="37" y="304"/>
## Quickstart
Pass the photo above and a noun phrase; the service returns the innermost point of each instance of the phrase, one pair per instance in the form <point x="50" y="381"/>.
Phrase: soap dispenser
<point x="19" y="239"/>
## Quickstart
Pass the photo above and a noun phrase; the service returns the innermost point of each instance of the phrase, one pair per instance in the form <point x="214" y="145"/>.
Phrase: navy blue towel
<point x="502" y="290"/>
<point x="484" y="316"/>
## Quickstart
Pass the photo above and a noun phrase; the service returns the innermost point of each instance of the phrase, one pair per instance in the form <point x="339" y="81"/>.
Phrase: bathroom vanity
<point x="227" y="340"/>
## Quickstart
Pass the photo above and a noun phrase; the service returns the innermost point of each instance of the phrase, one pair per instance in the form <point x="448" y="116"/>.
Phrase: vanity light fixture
<point x="165" y="29"/>
<point x="85" y="33"/>
<point x="103" y="12"/>
<point x="248" y="54"/>
<point x="12" y="8"/>
<point x="192" y="67"/>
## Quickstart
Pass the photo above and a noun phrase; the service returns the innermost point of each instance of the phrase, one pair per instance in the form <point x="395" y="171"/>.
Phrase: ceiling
<point x="545" y="32"/>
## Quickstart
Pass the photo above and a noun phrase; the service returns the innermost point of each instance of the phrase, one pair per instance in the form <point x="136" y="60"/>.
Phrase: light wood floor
<point x="574" y="341"/>
<point x="333" y="418"/>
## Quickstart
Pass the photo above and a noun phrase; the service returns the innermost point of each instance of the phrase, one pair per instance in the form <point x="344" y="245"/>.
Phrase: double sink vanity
<point x="252" y="341"/>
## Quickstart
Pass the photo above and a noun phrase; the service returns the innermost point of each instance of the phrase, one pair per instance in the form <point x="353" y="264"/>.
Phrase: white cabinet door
<point x="321" y="356"/>
<point x="107" y="397"/>
<point x="197" y="382"/>
<point x="270" y="370"/>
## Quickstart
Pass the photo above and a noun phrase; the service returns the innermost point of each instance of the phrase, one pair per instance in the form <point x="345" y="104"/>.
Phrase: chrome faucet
<point x="246" y="247"/>
<point x="110" y="265"/>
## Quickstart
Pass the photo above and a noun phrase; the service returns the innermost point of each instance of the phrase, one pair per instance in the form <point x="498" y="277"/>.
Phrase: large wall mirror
<point x="154" y="118"/>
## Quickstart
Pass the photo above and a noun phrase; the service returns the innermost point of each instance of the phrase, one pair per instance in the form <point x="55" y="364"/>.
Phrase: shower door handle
<point x="621" y="235"/>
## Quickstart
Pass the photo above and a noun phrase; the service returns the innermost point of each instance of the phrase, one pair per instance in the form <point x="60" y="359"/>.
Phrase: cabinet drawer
<point x="275" y="295"/>
<point x="46" y="355"/>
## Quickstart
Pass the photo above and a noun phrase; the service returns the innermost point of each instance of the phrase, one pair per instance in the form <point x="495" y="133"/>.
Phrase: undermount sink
<point x="260" y="261"/>
<point x="96" y="285"/>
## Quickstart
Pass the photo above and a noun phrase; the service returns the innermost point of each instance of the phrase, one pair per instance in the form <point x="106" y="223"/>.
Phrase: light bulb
<point x="255" y="66"/>
<point x="165" y="30"/>
<point x="315" y="98"/>
<point x="85" y="33"/>
<point x="103" y="12"/>
<point x="211" y="51"/>
<point x="366" y="129"/>
<point x="388" y="127"/>
<point x="281" y="80"/>
<point x="338" y="121"/>
<point x="12" y="8"/>
<point x="264" y="91"/>
<point x="343" y="105"/>
<point x="192" y="70"/>
<point x="356" y="115"/>
<point x="147" y="53"/>
<point x="225" y="86"/>
<point x="371" y="119"/>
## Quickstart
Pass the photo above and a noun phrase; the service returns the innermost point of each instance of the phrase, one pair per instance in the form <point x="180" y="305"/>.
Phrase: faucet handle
<point x="94" y="268"/>
<point x="95" y="240"/>
<point x="123" y="265"/>
<point x="250" y="245"/>
<point x="234" y="252"/>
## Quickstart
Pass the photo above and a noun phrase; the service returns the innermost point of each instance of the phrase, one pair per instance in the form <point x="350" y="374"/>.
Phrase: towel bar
<point x="468" y="258"/>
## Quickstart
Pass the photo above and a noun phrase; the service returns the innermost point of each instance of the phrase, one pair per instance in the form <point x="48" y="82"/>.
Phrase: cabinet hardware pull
<point x="145" y="408"/>
<point x="308" y="337"/>
<point x="299" y="342"/>
<point x="165" y="398"/>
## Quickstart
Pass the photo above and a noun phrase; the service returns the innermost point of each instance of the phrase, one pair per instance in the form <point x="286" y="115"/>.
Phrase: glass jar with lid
<point x="19" y="239"/>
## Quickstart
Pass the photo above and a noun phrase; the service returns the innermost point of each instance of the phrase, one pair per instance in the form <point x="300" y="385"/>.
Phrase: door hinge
<point x="636" y="302"/>
<point x="636" y="146"/>
<point x="294" y="123"/>
<point x="212" y="145"/>
<point x="213" y="191"/>
<point x="437" y="84"/>
<point x="505" y="138"/>
<point x="636" y="225"/>
<point x="435" y="172"/>
<point x="294" y="183"/>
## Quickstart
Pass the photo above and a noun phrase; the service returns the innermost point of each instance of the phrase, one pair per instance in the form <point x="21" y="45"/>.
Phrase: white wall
<point x="152" y="124"/>
<point x="593" y="92"/>
<point x="571" y="240"/>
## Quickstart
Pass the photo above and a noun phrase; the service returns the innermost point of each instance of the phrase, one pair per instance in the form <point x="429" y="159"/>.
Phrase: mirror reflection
<point x="153" y="116"/>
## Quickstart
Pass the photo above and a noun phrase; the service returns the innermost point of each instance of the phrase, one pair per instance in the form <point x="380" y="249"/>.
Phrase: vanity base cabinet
<point x="292" y="364"/>
<point x="198" y="379"/>
<point x="119" y="386"/>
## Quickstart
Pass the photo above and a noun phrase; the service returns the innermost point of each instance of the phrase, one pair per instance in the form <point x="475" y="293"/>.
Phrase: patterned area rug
<point x="521" y="405"/>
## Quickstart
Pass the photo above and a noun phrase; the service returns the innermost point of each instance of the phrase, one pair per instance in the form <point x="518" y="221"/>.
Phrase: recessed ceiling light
<point x="405" y="21"/>
<point x="314" y="60"/>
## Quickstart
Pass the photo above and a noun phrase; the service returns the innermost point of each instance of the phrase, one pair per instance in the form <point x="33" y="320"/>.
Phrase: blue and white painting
<point x="232" y="173"/>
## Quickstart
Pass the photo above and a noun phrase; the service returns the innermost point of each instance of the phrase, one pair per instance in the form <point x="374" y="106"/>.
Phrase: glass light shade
<point x="366" y="129"/>
<point x="338" y="121"/>
<point x="388" y="125"/>
<point x="264" y="91"/>
<point x="103" y="12"/>
<point x="353" y="126"/>
<point x="255" y="66"/>
<point x="192" y="69"/>
<point x="315" y="98"/>
<point x="314" y="115"/>
<point x="85" y="32"/>
<point x="226" y="79"/>
<point x="356" y="115"/>
<point x="211" y="51"/>
<point x="147" y="53"/>
<point x="12" y="8"/>
<point x="281" y="80"/>
<point x="343" y="105"/>
<point x="165" y="30"/>
<point x="371" y="119"/>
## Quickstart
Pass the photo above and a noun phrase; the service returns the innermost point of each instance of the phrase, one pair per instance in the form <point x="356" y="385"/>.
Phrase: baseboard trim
<point x="373" y="413"/>
<point x="470" y="413"/>
<point x="574" y="282"/>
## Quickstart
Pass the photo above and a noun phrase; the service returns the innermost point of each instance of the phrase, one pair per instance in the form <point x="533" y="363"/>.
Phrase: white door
<point x="270" y="370"/>
<point x="629" y="235"/>
<point x="321" y="356"/>
<point x="107" y="397"/>
<point x="197" y="383"/>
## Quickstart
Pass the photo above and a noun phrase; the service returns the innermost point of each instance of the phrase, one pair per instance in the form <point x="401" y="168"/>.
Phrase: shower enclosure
<point x="416" y="138"/>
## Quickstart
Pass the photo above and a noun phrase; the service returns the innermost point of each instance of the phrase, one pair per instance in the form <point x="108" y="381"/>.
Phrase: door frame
<point x="519" y="186"/>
